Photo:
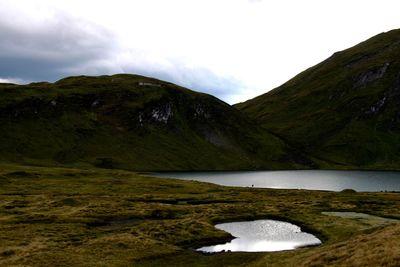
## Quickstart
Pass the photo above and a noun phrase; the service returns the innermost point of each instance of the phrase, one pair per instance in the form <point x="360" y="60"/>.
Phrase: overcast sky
<point x="233" y="49"/>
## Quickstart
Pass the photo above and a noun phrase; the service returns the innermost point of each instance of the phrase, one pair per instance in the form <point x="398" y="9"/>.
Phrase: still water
<point x="372" y="181"/>
<point x="263" y="235"/>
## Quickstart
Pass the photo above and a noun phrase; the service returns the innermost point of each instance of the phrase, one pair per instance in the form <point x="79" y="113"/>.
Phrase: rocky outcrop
<point x="371" y="75"/>
<point x="134" y="122"/>
<point x="343" y="111"/>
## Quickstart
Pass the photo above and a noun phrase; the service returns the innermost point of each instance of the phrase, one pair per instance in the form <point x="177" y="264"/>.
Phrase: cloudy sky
<point x="233" y="49"/>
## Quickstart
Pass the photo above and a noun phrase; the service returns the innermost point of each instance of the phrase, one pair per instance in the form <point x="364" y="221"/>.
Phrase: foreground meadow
<point x="97" y="217"/>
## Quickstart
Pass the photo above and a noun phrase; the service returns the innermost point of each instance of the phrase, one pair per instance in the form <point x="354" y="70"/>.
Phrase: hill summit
<point x="343" y="112"/>
<point x="132" y="122"/>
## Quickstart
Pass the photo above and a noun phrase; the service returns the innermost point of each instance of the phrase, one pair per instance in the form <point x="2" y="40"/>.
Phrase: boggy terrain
<point x="97" y="217"/>
<point x="82" y="209"/>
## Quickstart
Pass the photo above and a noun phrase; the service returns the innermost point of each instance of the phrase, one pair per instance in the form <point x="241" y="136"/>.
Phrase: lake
<point x="262" y="235"/>
<point x="368" y="181"/>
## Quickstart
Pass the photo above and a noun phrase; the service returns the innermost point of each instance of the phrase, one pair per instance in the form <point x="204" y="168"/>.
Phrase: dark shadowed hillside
<point x="134" y="122"/>
<point x="345" y="111"/>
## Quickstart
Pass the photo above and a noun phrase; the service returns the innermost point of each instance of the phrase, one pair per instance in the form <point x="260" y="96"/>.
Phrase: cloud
<point x="64" y="45"/>
<point x="12" y="80"/>
<point x="177" y="71"/>
<point x="198" y="44"/>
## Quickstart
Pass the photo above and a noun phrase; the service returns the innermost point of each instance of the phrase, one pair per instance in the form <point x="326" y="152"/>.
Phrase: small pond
<point x="262" y="235"/>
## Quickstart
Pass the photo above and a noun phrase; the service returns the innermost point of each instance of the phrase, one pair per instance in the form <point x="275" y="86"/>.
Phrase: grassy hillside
<point x="131" y="122"/>
<point x="343" y="112"/>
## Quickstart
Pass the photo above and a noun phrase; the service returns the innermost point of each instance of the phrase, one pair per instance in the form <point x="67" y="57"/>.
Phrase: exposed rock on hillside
<point x="134" y="122"/>
<point x="343" y="112"/>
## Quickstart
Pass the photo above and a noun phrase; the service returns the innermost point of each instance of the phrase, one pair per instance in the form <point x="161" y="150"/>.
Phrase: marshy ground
<point x="95" y="217"/>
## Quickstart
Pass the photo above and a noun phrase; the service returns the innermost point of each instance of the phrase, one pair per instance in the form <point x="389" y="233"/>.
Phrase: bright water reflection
<point x="263" y="235"/>
<point x="373" y="181"/>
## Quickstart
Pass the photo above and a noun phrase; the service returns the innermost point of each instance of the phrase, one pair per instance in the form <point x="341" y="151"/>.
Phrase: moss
<point x="95" y="217"/>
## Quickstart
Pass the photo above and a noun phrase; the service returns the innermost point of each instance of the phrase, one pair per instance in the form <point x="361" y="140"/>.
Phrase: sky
<point x="232" y="49"/>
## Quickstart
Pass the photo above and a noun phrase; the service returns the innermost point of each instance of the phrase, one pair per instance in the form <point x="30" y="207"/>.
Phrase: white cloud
<point x="235" y="49"/>
<point x="13" y="80"/>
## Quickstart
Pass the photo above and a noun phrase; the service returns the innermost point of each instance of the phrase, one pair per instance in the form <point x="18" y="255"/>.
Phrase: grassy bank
<point x="95" y="217"/>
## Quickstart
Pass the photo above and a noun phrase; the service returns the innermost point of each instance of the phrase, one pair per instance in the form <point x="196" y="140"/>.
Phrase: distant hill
<point x="343" y="112"/>
<point x="132" y="122"/>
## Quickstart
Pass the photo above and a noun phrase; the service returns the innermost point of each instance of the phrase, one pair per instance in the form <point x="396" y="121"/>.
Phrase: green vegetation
<point x="67" y="197"/>
<point x="98" y="217"/>
<point x="343" y="112"/>
<point x="131" y="122"/>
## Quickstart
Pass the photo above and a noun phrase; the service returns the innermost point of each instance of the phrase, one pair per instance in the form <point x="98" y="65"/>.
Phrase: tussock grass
<point x="97" y="217"/>
<point x="381" y="247"/>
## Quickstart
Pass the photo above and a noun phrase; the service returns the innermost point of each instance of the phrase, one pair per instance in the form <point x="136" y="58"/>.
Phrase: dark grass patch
<point x="21" y="174"/>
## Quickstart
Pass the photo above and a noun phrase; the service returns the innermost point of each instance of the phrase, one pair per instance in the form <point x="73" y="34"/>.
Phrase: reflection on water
<point x="263" y="235"/>
<point x="373" y="181"/>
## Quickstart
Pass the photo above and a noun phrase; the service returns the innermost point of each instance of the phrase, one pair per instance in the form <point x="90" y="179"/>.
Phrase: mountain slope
<point x="345" y="111"/>
<point x="133" y="122"/>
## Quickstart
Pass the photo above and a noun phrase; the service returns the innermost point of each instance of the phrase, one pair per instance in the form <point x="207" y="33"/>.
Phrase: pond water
<point x="262" y="235"/>
<point x="372" y="181"/>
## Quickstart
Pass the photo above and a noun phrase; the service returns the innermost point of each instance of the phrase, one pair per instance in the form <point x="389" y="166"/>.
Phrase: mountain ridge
<point x="133" y="122"/>
<point x="343" y="112"/>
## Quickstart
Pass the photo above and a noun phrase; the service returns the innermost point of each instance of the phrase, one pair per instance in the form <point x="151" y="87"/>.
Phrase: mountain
<point x="131" y="122"/>
<point x="343" y="112"/>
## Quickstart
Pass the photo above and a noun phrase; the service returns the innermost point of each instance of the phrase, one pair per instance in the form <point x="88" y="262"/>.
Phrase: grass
<point x="328" y="114"/>
<point x="115" y="122"/>
<point x="97" y="217"/>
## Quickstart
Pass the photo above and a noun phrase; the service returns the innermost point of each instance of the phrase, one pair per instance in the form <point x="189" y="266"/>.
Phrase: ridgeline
<point x="340" y="114"/>
<point x="343" y="112"/>
<point x="131" y="122"/>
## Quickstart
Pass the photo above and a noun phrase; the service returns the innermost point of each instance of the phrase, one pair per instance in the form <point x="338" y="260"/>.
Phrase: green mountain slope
<point x="345" y="111"/>
<point x="133" y="122"/>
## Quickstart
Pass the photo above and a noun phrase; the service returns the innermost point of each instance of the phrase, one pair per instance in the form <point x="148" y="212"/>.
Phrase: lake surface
<point x="262" y="235"/>
<point x="372" y="181"/>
